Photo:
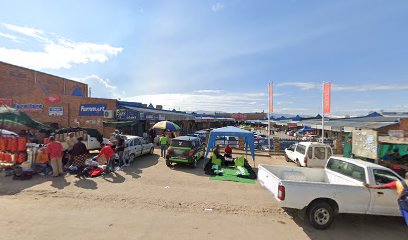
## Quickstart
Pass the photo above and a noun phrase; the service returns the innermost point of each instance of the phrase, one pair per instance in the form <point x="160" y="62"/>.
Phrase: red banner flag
<point x="326" y="97"/>
<point x="270" y="98"/>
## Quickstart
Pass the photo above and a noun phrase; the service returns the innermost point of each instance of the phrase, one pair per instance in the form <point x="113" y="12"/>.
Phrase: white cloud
<point x="227" y="102"/>
<point x="208" y="91"/>
<point x="11" y="37"/>
<point x="57" y="52"/>
<point x="349" y="88"/>
<point x="217" y="7"/>
<point x="100" y="87"/>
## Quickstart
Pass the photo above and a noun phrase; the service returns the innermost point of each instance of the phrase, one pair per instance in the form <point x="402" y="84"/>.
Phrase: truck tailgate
<point x="268" y="180"/>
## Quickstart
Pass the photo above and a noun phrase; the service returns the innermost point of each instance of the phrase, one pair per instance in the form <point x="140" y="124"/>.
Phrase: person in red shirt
<point x="402" y="190"/>
<point x="107" y="153"/>
<point x="54" y="150"/>
<point x="228" y="151"/>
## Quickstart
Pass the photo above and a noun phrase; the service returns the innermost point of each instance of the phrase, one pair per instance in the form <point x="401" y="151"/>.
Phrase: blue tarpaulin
<point x="232" y="132"/>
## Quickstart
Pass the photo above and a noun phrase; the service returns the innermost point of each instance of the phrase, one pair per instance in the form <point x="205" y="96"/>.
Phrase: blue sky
<point x="219" y="55"/>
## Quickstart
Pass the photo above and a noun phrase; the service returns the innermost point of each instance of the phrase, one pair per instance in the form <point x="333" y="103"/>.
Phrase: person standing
<point x="70" y="141"/>
<point x="54" y="150"/>
<point x="120" y="148"/>
<point x="402" y="189"/>
<point x="164" y="141"/>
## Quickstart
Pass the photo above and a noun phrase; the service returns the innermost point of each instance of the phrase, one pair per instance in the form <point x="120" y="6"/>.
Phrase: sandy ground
<point x="150" y="201"/>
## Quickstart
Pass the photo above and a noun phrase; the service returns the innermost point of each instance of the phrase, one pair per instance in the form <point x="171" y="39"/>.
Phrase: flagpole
<point x="269" y="117"/>
<point x="323" y="112"/>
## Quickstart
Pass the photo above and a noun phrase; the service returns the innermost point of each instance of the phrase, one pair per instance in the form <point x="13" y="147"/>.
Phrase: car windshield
<point x="180" y="143"/>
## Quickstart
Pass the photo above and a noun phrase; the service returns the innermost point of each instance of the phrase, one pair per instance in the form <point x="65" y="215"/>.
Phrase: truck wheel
<point x="287" y="159"/>
<point x="298" y="163"/>
<point x="152" y="150"/>
<point x="168" y="163"/>
<point x="321" y="215"/>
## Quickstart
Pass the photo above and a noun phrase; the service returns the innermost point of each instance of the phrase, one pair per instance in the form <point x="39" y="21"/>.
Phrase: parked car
<point x="136" y="146"/>
<point x="338" y="188"/>
<point x="186" y="150"/>
<point x="201" y="136"/>
<point x="308" y="154"/>
<point x="224" y="140"/>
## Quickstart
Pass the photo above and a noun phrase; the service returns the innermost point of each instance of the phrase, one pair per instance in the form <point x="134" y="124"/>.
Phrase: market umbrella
<point x="6" y="132"/>
<point x="167" y="125"/>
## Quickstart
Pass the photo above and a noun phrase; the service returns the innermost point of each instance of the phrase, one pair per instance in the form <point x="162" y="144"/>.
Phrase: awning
<point x="120" y="123"/>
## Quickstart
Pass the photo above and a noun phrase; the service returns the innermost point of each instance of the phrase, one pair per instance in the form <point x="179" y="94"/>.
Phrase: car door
<point x="138" y="147"/>
<point x="145" y="147"/>
<point x="317" y="156"/>
<point x="384" y="201"/>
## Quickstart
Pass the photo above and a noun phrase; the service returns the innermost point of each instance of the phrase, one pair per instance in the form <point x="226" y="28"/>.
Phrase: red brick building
<point x="51" y="99"/>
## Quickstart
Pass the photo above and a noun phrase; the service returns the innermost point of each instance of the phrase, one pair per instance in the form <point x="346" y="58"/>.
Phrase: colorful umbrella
<point x="167" y="125"/>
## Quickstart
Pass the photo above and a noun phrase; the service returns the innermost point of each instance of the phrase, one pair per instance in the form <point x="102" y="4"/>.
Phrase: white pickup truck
<point x="338" y="188"/>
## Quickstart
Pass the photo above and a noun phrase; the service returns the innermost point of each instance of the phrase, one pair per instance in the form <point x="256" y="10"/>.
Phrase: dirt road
<point x="150" y="201"/>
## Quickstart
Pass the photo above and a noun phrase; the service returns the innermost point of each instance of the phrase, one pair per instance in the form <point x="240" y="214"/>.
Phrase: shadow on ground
<point x="136" y="167"/>
<point x="354" y="226"/>
<point x="8" y="186"/>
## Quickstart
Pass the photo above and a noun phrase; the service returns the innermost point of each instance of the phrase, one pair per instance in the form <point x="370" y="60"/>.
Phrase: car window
<point x="320" y="153"/>
<point x="142" y="141"/>
<point x="137" y="141"/>
<point x="310" y="153"/>
<point x="301" y="149"/>
<point x="329" y="152"/>
<point x="383" y="176"/>
<point x="233" y="139"/>
<point x="346" y="168"/>
<point x="180" y="143"/>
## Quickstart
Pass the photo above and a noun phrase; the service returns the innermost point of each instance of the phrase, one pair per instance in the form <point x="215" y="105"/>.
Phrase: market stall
<point x="236" y="169"/>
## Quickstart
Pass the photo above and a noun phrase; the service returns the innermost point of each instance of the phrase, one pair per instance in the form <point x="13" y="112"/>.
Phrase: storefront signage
<point x="142" y="116"/>
<point x="126" y="114"/>
<point x="53" y="99"/>
<point x="162" y="117"/>
<point x="149" y="116"/>
<point x="56" y="111"/>
<point x="29" y="107"/>
<point x="6" y="101"/>
<point x="92" y="109"/>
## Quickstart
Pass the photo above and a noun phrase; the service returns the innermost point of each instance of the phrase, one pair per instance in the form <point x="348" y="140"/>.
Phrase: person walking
<point x="164" y="141"/>
<point x="402" y="190"/>
<point x="70" y="141"/>
<point x="54" y="150"/>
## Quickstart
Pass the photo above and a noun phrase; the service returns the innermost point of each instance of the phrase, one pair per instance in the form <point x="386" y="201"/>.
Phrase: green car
<point x="185" y="149"/>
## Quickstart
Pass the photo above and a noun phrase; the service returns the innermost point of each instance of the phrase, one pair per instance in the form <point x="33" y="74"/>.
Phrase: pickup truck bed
<point x="335" y="189"/>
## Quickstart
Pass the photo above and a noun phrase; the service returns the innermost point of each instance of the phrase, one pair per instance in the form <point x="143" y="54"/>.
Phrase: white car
<point x="338" y="188"/>
<point x="136" y="146"/>
<point x="309" y="154"/>
<point x="223" y="141"/>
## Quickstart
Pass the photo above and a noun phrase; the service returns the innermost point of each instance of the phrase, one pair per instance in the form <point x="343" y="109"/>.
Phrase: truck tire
<point x="298" y="163"/>
<point x="320" y="215"/>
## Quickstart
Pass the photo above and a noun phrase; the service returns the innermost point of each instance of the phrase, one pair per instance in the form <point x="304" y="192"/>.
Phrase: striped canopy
<point x="167" y="125"/>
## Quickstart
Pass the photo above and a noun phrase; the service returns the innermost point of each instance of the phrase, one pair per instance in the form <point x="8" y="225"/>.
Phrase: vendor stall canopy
<point x="232" y="132"/>
<point x="11" y="115"/>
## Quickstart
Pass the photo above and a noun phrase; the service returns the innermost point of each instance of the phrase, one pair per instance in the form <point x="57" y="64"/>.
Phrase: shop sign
<point x="29" y="107"/>
<point x="127" y="114"/>
<point x="161" y="117"/>
<point x="6" y="101"/>
<point x="56" y="111"/>
<point x="92" y="109"/>
<point x="53" y="99"/>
